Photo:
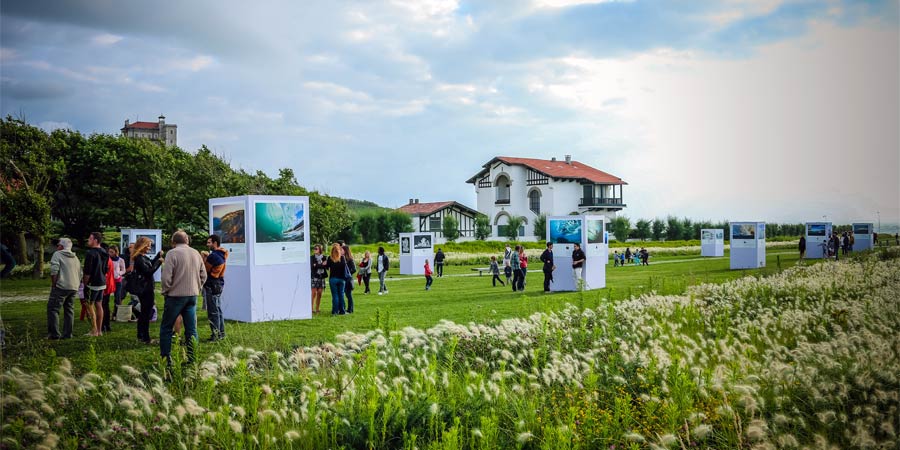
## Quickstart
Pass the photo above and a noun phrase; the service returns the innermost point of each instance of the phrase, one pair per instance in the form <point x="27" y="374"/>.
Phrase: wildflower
<point x="291" y="435"/>
<point x="634" y="437"/>
<point x="701" y="431"/>
<point x="524" y="437"/>
<point x="235" y="426"/>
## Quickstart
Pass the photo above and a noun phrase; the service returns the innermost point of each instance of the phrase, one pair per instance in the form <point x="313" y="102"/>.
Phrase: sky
<point x="771" y="110"/>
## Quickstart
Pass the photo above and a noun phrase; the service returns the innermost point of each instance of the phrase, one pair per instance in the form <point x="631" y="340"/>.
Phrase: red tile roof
<point x="144" y="125"/>
<point x="556" y="169"/>
<point x="424" y="209"/>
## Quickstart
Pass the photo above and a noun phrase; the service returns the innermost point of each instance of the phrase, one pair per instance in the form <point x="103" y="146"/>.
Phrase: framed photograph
<point x="422" y="241"/>
<point x="743" y="231"/>
<point x="404" y="245"/>
<point x="862" y="228"/>
<point x="816" y="229"/>
<point x="565" y="231"/>
<point x="280" y="222"/>
<point x="595" y="232"/>
<point x="707" y="235"/>
<point x="228" y="223"/>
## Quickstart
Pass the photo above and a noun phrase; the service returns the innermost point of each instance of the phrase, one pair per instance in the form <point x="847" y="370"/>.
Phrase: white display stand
<point x="267" y="275"/>
<point x="863" y="238"/>
<point x="415" y="248"/>
<point x="712" y="242"/>
<point x="590" y="233"/>
<point x="748" y="245"/>
<point x="817" y="234"/>
<point x="131" y="235"/>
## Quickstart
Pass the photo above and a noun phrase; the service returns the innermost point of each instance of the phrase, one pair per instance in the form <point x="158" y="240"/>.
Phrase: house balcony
<point x="502" y="201"/>
<point x="601" y="202"/>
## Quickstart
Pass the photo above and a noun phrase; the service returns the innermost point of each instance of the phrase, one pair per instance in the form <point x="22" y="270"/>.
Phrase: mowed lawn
<point x="460" y="296"/>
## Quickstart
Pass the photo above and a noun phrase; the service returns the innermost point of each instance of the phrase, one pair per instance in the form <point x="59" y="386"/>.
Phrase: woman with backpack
<point x="143" y="285"/>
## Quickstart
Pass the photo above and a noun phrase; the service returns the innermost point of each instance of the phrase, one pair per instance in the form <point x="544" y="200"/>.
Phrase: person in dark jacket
<point x="318" y="264"/>
<point x="145" y="267"/>
<point x="802" y="247"/>
<point x="96" y="265"/>
<point x="547" y="259"/>
<point x="337" y="278"/>
<point x="382" y="264"/>
<point x="348" y="286"/>
<point x="439" y="263"/>
<point x="214" y="285"/>
<point x="578" y="266"/>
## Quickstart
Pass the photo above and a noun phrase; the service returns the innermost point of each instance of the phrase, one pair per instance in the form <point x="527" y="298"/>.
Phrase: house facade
<point x="429" y="217"/>
<point x="508" y="187"/>
<point x="157" y="131"/>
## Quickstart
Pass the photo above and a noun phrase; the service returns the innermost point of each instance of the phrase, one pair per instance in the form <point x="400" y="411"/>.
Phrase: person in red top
<point x="109" y="291"/>
<point x="428" y="278"/>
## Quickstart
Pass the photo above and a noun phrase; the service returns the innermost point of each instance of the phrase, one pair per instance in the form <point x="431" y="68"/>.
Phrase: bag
<point x="123" y="313"/>
<point x="134" y="283"/>
<point x="215" y="287"/>
<point x="347" y="273"/>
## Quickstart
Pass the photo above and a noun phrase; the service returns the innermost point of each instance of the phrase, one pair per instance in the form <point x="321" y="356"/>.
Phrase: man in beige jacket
<point x="183" y="275"/>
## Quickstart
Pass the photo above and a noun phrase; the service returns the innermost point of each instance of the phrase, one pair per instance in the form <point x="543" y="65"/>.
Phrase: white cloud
<point x="50" y="126"/>
<point x="106" y="39"/>
<point x="569" y="3"/>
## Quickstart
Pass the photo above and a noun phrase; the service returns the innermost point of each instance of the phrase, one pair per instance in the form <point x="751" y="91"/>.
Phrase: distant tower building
<point x="157" y="131"/>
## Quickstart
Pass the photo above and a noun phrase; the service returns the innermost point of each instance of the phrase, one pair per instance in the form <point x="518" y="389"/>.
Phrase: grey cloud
<point x="32" y="90"/>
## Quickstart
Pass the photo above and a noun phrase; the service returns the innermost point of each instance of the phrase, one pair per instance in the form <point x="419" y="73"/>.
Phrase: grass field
<point x="460" y="296"/>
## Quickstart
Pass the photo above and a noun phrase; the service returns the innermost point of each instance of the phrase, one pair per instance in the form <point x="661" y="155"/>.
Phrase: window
<point x="434" y="223"/>
<point x="534" y="201"/>
<point x="502" y="190"/>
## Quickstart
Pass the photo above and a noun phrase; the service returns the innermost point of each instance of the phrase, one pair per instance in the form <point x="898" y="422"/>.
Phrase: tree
<point x="659" y="227"/>
<point x="367" y="227"/>
<point x="642" y="229"/>
<point x="28" y="176"/>
<point x="327" y="217"/>
<point x="399" y="222"/>
<point x="673" y="228"/>
<point x="482" y="227"/>
<point x="512" y="227"/>
<point x="450" y="228"/>
<point x="687" y="229"/>
<point x="620" y="227"/>
<point x="540" y="226"/>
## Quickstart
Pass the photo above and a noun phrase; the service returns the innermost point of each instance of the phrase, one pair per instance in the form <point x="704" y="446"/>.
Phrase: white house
<point x="429" y="217"/>
<point x="529" y="187"/>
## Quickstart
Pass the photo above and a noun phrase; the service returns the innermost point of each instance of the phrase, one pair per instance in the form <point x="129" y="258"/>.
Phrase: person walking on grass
<point x="802" y="247"/>
<point x="348" y="287"/>
<point x="428" y="278"/>
<point x="381" y="265"/>
<point x="439" y="263"/>
<point x="145" y="268"/>
<point x="578" y="266"/>
<point x="337" y="278"/>
<point x="214" y="264"/>
<point x="183" y="277"/>
<point x="96" y="264"/>
<point x="65" y="275"/>
<point x="549" y="267"/>
<point x="615" y="258"/>
<point x="516" y="269"/>
<point x="523" y="264"/>
<point x="507" y="271"/>
<point x="109" y="292"/>
<point x="319" y="265"/>
<point x="495" y="271"/>
<point x="365" y="269"/>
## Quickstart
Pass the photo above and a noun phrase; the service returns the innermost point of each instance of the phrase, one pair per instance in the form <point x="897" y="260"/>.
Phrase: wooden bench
<point x="481" y="270"/>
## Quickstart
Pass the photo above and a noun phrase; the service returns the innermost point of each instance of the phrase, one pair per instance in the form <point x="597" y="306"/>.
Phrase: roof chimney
<point x="568" y="159"/>
<point x="417" y="200"/>
<point x="411" y="201"/>
<point x="553" y="159"/>
<point x="162" y="121"/>
<point x="126" y="123"/>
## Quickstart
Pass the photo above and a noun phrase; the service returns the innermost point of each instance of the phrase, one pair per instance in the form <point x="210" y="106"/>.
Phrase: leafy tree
<point x="367" y="227"/>
<point x="620" y="227"/>
<point x="673" y="228"/>
<point x="482" y="227"/>
<point x="687" y="229"/>
<point x="540" y="226"/>
<point x="327" y="217"/>
<point x="642" y="229"/>
<point x="450" y="228"/>
<point x="659" y="227"/>
<point x="398" y="222"/>
<point x="512" y="227"/>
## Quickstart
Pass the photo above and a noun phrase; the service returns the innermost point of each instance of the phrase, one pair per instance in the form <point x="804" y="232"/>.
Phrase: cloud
<point x="25" y="90"/>
<point x="106" y="39"/>
<point x="50" y="126"/>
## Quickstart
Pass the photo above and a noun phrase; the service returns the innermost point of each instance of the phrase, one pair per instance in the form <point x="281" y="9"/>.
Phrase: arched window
<point x="534" y="201"/>
<point x="502" y="192"/>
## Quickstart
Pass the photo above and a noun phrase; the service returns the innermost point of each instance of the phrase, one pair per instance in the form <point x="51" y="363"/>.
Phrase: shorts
<point x="318" y="283"/>
<point x="92" y="295"/>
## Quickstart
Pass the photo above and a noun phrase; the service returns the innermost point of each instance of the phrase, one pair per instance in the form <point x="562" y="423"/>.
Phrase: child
<point x="428" y="278"/>
<point x="495" y="271"/>
<point x="507" y="270"/>
<point x="637" y="258"/>
<point x="616" y="258"/>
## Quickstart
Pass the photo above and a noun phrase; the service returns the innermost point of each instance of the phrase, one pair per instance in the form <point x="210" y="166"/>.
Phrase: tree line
<point x="672" y="228"/>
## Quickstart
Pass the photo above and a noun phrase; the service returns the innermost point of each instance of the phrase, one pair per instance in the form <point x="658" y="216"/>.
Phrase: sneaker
<point x="381" y="293"/>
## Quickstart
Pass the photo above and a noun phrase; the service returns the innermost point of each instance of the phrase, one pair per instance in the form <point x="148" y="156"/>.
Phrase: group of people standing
<point x="338" y="267"/>
<point x="638" y="258"/>
<point x="186" y="274"/>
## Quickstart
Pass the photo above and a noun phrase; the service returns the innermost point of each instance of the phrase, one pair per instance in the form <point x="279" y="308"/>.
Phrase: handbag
<point x="347" y="273"/>
<point x="134" y="283"/>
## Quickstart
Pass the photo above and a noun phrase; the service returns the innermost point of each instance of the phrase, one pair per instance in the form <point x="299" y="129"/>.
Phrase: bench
<point x="481" y="270"/>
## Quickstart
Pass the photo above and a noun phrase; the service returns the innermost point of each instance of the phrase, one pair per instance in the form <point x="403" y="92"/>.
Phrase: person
<point x="836" y="245"/>
<point x="495" y="271"/>
<point x="348" y="286"/>
<point x="516" y="269"/>
<point x="337" y="277"/>
<point x="439" y="263"/>
<point x="365" y="269"/>
<point x="645" y="257"/>
<point x="145" y="267"/>
<point x="109" y="292"/>
<point x="183" y="276"/>
<point x="628" y="254"/>
<point x="897" y="238"/>
<point x="802" y="247"/>
<point x="875" y="237"/>
<point x="319" y="267"/>
<point x="214" y="263"/>
<point x="637" y="258"/>
<point x="523" y="263"/>
<point x="507" y="272"/>
<point x="428" y="278"/>
<point x="119" y="264"/>
<point x="8" y="260"/>
<point x="825" y="246"/>
<point x="615" y="258"/>
<point x="96" y="264"/>
<point x="578" y="259"/>
<point x="382" y="264"/>
<point x="65" y="275"/>
<point x="507" y="256"/>
<point x="548" y="268"/>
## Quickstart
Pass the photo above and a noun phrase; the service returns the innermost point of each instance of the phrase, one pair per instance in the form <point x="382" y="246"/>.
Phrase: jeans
<point x="348" y="294"/>
<point x="428" y="281"/>
<point x="548" y="277"/>
<point x="105" y="325"/>
<point x="496" y="279"/>
<point x="143" y="323"/>
<point x="64" y="298"/>
<point x="439" y="268"/>
<point x="186" y="307"/>
<point x="214" y="314"/>
<point x="517" y="280"/>
<point x="382" y="287"/>
<point x="337" y="295"/>
<point x="366" y="279"/>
